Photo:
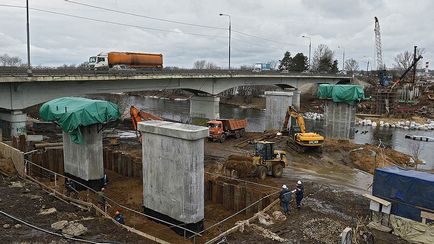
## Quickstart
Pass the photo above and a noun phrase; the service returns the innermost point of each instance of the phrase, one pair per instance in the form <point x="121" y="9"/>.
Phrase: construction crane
<point x="381" y="69"/>
<point x="300" y="140"/>
<point x="378" y="47"/>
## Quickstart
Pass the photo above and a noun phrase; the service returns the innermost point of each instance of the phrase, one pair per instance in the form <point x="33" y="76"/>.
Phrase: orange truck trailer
<point x="122" y="60"/>
<point x="220" y="129"/>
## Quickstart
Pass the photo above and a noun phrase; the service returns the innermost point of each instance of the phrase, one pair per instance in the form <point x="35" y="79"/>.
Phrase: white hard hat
<point x="284" y="187"/>
<point x="298" y="182"/>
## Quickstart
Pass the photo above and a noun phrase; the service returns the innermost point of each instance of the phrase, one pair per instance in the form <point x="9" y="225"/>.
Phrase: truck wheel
<point x="243" y="132"/>
<point x="261" y="172"/>
<point x="222" y="138"/>
<point x="237" y="134"/>
<point x="277" y="170"/>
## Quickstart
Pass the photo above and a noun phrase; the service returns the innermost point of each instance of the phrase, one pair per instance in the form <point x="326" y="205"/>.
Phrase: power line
<point x="110" y="22"/>
<point x="176" y="22"/>
<point x="145" y="16"/>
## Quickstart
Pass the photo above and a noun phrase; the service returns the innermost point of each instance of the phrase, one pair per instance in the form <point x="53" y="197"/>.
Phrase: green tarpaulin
<point x="72" y="112"/>
<point x="341" y="93"/>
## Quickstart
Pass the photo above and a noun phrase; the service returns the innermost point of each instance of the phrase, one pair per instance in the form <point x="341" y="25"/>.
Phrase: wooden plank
<point x="427" y="215"/>
<point x="377" y="199"/>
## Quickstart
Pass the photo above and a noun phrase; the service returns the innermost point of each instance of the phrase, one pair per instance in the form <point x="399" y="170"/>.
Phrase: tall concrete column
<point x="296" y="99"/>
<point x="84" y="162"/>
<point x="339" y="120"/>
<point x="173" y="172"/>
<point x="17" y="120"/>
<point x="205" y="107"/>
<point x="276" y="106"/>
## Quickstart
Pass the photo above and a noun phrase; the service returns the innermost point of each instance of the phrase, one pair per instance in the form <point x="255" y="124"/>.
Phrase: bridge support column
<point x="339" y="120"/>
<point x="276" y="106"/>
<point x="17" y="121"/>
<point x="296" y="99"/>
<point x="205" y="107"/>
<point x="84" y="162"/>
<point x="173" y="172"/>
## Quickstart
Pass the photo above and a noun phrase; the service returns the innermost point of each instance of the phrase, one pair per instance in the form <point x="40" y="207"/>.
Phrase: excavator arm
<point x="292" y="112"/>
<point x="139" y="116"/>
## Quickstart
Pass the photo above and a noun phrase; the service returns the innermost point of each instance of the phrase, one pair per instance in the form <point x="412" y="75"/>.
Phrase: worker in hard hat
<point x="299" y="193"/>
<point x="119" y="218"/>
<point x="285" y="197"/>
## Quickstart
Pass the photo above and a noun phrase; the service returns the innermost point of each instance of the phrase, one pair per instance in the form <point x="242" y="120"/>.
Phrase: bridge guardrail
<point x="6" y="71"/>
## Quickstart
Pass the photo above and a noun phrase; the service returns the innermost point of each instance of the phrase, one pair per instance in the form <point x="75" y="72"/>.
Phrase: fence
<point x="103" y="204"/>
<point x="15" y="155"/>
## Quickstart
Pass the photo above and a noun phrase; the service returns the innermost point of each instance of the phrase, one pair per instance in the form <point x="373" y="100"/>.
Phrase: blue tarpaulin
<point x="409" y="191"/>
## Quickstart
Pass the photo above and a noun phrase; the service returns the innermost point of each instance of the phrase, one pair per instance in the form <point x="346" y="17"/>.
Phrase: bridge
<point x="19" y="91"/>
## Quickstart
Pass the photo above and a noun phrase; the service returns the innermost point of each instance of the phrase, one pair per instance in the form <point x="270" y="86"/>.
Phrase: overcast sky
<point x="57" y="40"/>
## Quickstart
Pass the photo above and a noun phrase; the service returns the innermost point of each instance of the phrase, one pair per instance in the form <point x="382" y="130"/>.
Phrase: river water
<point x="179" y="110"/>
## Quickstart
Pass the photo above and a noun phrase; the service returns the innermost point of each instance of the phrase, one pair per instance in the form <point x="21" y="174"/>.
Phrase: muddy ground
<point x="25" y="200"/>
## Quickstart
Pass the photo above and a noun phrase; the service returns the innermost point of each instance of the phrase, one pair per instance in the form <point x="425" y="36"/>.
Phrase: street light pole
<point x="343" y="57"/>
<point x="29" y="68"/>
<point x="230" y="30"/>
<point x="310" y="46"/>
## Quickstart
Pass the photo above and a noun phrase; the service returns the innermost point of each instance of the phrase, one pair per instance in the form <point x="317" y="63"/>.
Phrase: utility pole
<point x="230" y="27"/>
<point x="29" y="68"/>
<point x="414" y="61"/>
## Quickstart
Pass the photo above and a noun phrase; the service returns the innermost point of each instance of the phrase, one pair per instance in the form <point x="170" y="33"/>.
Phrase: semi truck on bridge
<point x="126" y="60"/>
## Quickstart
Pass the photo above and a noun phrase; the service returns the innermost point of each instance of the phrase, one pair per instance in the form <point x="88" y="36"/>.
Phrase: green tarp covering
<point x="341" y="93"/>
<point x="72" y="112"/>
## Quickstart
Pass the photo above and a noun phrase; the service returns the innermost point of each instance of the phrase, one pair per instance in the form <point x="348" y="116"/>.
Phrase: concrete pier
<point x="339" y="120"/>
<point x="173" y="172"/>
<point x="296" y="99"/>
<point x="205" y="107"/>
<point x="17" y="122"/>
<point x="276" y="106"/>
<point x="84" y="162"/>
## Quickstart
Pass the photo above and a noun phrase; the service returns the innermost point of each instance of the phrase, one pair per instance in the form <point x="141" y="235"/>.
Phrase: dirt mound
<point x="7" y="166"/>
<point x="242" y="164"/>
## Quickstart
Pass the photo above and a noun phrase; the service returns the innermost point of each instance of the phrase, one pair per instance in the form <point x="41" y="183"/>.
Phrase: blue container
<point x="408" y="190"/>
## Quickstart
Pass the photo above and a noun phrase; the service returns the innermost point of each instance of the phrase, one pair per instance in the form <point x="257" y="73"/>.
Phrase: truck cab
<point x="215" y="128"/>
<point x="98" y="62"/>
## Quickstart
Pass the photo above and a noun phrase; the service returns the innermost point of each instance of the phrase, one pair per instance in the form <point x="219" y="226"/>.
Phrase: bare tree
<point x="210" y="65"/>
<point x="322" y="60"/>
<point x="7" y="60"/>
<point x="405" y="59"/>
<point x="415" y="148"/>
<point x="199" y="64"/>
<point x="351" y="65"/>
<point x="273" y="64"/>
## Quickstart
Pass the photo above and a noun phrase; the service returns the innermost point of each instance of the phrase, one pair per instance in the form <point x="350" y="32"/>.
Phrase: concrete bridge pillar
<point x="339" y="120"/>
<point x="17" y="121"/>
<point x="205" y="107"/>
<point x="84" y="162"/>
<point x="276" y="103"/>
<point x="296" y="99"/>
<point x="173" y="172"/>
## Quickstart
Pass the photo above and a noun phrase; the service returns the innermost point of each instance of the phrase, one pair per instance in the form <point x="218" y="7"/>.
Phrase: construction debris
<point x="47" y="211"/>
<point x="267" y="233"/>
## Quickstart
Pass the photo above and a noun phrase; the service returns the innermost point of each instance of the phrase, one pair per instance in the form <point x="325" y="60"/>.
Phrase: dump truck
<point x="220" y="129"/>
<point x="269" y="161"/>
<point x="126" y="60"/>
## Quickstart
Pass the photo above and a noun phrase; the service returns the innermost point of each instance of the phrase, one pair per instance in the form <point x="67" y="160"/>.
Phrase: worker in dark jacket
<point x="299" y="193"/>
<point x="119" y="218"/>
<point x="285" y="197"/>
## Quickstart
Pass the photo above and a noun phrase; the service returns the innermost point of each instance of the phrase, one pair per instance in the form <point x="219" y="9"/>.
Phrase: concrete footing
<point x="84" y="162"/>
<point x="173" y="172"/>
<point x="339" y="120"/>
<point x="17" y="122"/>
<point x="276" y="106"/>
<point x="205" y="107"/>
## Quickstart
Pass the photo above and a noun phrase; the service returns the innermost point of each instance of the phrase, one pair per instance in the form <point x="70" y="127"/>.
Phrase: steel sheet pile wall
<point x="236" y="197"/>
<point x="339" y="120"/>
<point x="409" y="191"/>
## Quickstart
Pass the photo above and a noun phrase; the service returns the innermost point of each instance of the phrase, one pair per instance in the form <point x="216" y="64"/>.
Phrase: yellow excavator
<point x="299" y="139"/>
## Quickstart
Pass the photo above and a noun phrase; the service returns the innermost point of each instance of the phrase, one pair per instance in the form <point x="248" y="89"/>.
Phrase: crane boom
<point x="378" y="47"/>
